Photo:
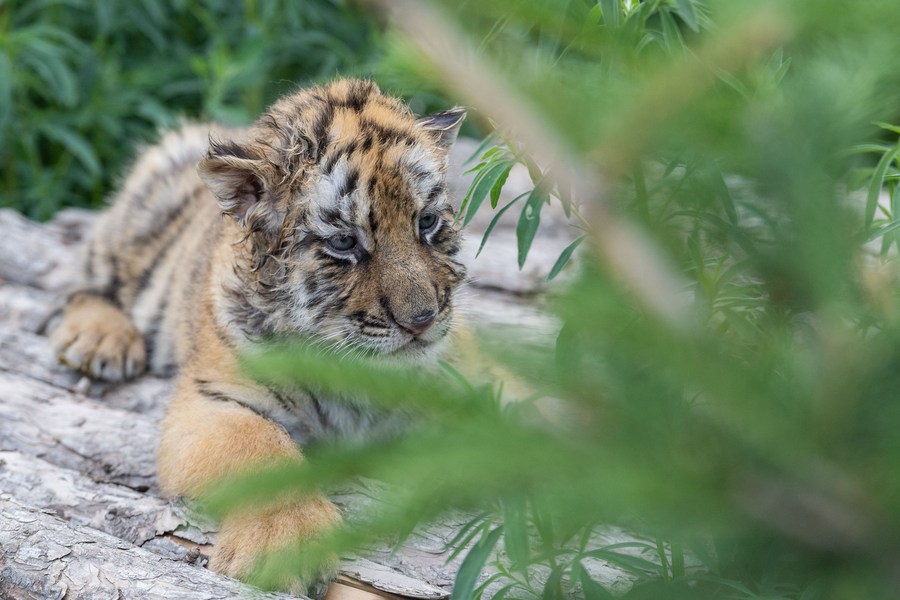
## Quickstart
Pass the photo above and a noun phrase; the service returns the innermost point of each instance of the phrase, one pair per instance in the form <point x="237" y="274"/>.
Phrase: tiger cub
<point x="328" y="218"/>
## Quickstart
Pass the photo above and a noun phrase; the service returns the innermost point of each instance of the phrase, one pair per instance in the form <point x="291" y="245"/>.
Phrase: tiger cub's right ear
<point x="443" y="126"/>
<point x="237" y="177"/>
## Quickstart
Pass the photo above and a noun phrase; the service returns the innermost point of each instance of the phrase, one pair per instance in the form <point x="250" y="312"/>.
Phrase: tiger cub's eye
<point x="342" y="243"/>
<point x="427" y="222"/>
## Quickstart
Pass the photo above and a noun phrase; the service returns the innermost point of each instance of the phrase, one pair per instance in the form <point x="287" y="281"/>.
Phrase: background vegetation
<point x="728" y="364"/>
<point x="83" y="82"/>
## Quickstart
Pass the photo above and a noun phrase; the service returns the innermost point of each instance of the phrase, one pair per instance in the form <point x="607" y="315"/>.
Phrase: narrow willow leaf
<point x="529" y="221"/>
<point x="591" y="589"/>
<point x="718" y="180"/>
<point x="468" y="197"/>
<point x="877" y="183"/>
<point x="504" y="591"/>
<point x="495" y="220"/>
<point x="75" y="144"/>
<point x="781" y="72"/>
<point x="498" y="186"/>
<point x="685" y="9"/>
<point x="564" y="257"/>
<point x="648" y="9"/>
<point x="671" y="35"/>
<point x="487" y="141"/>
<point x="632" y="564"/>
<point x="677" y="552"/>
<point x="868" y="148"/>
<point x="483" y="185"/>
<point x="485" y="159"/>
<point x="472" y="565"/>
<point x="515" y="533"/>
<point x="48" y="61"/>
<point x="732" y="82"/>
<point x="888" y="126"/>
<point x="881" y="231"/>
<point x="468" y="531"/>
<point x="553" y="586"/>
<point x="611" y="12"/>
<point x="6" y="94"/>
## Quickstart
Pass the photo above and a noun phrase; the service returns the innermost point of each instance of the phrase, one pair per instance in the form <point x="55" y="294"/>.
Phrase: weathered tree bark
<point x="42" y="556"/>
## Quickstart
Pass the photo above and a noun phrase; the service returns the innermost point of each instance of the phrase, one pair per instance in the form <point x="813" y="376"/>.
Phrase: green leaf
<point x="888" y="126"/>
<point x="877" y="183"/>
<point x="632" y="564"/>
<point x="471" y="566"/>
<point x="732" y="82"/>
<point x="495" y="220"/>
<point x="515" y="532"/>
<point x="671" y="35"/>
<point x="487" y="141"/>
<point x="564" y="257"/>
<point x="482" y="186"/>
<point x="504" y="591"/>
<point x="868" y="148"/>
<point x="591" y="589"/>
<point x="611" y="12"/>
<point x="48" y="60"/>
<point x="75" y="144"/>
<point x="465" y="534"/>
<point x="6" y="78"/>
<point x="881" y="231"/>
<point x="498" y="186"/>
<point x="781" y="71"/>
<point x="718" y="181"/>
<point x="553" y="587"/>
<point x="529" y="220"/>
<point x="685" y="10"/>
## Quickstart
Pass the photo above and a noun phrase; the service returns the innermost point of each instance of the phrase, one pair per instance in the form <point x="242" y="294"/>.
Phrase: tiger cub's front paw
<point x="97" y="338"/>
<point x="248" y="544"/>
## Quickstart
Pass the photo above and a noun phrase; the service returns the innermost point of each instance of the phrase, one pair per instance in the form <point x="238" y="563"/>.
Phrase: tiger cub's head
<point x="348" y="235"/>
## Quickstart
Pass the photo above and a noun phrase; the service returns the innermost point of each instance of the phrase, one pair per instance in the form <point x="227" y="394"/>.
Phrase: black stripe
<point x="320" y="411"/>
<point x="229" y="148"/>
<point x="204" y="389"/>
<point x="320" y="129"/>
<point x="435" y="192"/>
<point x="386" y="135"/>
<point x="89" y="260"/>
<point x="164" y="224"/>
<point x="92" y="293"/>
<point x="373" y="220"/>
<point x="284" y="402"/>
<point x="347" y="150"/>
<point x="165" y="248"/>
<point x="349" y="185"/>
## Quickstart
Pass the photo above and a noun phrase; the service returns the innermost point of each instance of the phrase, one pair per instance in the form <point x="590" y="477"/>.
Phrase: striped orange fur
<point x="328" y="218"/>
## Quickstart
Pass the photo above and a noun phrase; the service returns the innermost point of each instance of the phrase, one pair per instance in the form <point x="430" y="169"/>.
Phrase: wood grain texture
<point x="42" y="556"/>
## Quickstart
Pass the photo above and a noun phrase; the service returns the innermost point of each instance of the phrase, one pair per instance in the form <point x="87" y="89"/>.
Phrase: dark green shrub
<point x="83" y="82"/>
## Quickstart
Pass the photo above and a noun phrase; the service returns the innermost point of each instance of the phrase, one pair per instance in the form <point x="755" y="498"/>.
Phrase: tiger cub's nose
<point x="418" y="324"/>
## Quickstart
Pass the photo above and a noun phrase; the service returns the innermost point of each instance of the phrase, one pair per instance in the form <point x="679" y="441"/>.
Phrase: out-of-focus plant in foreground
<point x="751" y="445"/>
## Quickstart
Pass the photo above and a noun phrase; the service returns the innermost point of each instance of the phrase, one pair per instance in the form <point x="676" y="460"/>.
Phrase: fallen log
<point x="42" y="556"/>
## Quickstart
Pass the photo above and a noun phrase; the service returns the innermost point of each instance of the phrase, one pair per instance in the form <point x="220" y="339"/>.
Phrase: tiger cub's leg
<point x="211" y="434"/>
<point x="94" y="336"/>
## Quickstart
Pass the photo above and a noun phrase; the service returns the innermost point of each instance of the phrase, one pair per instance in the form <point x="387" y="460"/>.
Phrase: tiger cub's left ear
<point x="444" y="126"/>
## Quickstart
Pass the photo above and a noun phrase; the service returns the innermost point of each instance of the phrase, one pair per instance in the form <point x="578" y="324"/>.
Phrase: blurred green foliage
<point x="84" y="82"/>
<point x="752" y="448"/>
<point x="751" y="445"/>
